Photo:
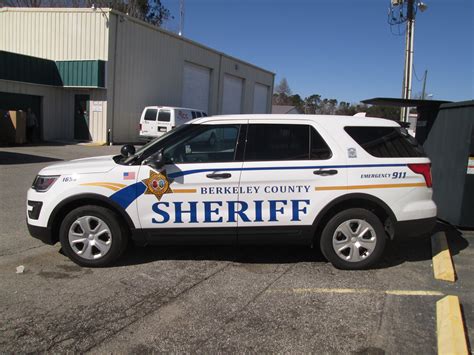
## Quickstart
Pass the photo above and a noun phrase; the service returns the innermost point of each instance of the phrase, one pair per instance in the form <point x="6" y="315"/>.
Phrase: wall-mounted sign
<point x="470" y="165"/>
<point x="96" y="106"/>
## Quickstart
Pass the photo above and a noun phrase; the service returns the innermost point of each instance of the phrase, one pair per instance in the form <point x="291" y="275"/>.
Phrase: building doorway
<point x="81" y="118"/>
<point x="17" y="102"/>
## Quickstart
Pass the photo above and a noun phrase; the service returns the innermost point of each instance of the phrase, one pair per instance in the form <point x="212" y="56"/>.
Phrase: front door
<point x="288" y="176"/>
<point x="189" y="200"/>
<point x="81" y="117"/>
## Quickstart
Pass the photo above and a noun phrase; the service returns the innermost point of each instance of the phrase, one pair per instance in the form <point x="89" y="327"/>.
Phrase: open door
<point x="81" y="117"/>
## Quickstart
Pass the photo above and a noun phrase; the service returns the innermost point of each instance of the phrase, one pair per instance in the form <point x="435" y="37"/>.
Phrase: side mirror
<point x="157" y="160"/>
<point x="127" y="150"/>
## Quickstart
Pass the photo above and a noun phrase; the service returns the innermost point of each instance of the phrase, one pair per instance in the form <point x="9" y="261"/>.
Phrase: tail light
<point x="140" y="126"/>
<point x="423" y="169"/>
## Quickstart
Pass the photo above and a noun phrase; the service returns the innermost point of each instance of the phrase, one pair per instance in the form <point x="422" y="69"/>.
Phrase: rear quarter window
<point x="386" y="142"/>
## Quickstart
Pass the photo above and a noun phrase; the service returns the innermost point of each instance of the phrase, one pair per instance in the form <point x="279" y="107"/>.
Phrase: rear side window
<point x="193" y="113"/>
<point x="277" y="142"/>
<point x="164" y="116"/>
<point x="386" y="142"/>
<point x="150" y="114"/>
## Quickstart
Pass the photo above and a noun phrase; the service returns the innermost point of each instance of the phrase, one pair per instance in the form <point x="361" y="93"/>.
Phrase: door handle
<point x="219" y="176"/>
<point x="325" y="172"/>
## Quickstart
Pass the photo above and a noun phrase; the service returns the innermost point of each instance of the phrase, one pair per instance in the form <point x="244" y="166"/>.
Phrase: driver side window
<point x="210" y="144"/>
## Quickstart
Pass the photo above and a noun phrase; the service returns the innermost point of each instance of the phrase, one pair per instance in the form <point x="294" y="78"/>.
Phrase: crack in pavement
<point x="243" y="308"/>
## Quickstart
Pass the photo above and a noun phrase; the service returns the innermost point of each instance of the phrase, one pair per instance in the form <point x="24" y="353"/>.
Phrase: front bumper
<point x="414" y="228"/>
<point x="42" y="233"/>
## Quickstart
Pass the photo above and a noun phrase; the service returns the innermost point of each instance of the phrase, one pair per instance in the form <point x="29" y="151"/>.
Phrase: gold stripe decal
<point x="361" y="187"/>
<point x="108" y="185"/>
<point x="184" y="191"/>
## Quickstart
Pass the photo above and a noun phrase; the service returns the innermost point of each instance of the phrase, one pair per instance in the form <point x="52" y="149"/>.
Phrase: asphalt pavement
<point x="212" y="299"/>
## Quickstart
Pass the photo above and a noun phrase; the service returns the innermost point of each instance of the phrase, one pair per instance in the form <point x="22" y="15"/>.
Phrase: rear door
<point x="289" y="171"/>
<point x="148" y="122"/>
<point x="165" y="123"/>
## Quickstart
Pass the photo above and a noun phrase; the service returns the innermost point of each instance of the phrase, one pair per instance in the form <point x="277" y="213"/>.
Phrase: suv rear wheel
<point x="91" y="236"/>
<point x="353" y="239"/>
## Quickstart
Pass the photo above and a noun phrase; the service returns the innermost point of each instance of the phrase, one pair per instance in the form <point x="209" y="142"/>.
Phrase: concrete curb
<point x="450" y="327"/>
<point x="93" y="144"/>
<point x="442" y="263"/>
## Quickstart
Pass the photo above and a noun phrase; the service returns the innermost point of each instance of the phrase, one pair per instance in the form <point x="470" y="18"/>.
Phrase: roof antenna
<point x="181" y="17"/>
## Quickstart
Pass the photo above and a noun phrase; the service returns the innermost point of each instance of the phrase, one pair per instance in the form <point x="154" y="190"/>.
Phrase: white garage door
<point x="260" y="96"/>
<point x="196" y="84"/>
<point x="232" y="100"/>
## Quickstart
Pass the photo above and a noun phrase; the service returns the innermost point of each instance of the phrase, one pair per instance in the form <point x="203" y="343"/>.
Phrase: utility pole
<point x="408" y="72"/>
<point x="424" y="85"/>
<point x="404" y="11"/>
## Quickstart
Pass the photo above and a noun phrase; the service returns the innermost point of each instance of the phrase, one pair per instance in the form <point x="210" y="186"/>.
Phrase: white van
<point x="157" y="120"/>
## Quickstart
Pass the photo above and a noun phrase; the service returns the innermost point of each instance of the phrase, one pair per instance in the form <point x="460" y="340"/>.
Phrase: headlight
<point x="43" y="183"/>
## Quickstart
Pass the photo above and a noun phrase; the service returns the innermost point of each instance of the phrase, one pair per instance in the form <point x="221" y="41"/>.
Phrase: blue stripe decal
<point x="127" y="195"/>
<point x="197" y="171"/>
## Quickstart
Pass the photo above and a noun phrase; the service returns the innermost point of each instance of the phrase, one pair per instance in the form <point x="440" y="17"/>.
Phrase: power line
<point x="416" y="76"/>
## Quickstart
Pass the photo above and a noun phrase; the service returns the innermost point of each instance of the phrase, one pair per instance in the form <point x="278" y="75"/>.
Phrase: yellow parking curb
<point x="450" y="328"/>
<point x="442" y="263"/>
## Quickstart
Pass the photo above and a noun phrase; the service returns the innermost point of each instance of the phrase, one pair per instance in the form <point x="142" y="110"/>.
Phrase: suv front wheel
<point x="92" y="236"/>
<point x="353" y="239"/>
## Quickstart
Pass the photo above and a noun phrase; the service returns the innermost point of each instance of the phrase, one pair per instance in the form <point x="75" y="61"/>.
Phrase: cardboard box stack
<point x="12" y="127"/>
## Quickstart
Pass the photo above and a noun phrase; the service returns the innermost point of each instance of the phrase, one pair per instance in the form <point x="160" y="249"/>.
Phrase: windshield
<point x="151" y="145"/>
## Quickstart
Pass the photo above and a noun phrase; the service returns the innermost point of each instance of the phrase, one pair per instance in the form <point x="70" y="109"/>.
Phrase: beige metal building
<point x="90" y="72"/>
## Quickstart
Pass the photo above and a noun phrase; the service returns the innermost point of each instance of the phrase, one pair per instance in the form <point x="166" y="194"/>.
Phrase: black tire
<point x="367" y="259"/>
<point x="118" y="235"/>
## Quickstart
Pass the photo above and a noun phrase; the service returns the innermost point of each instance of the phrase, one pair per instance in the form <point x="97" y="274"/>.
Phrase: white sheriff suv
<point x="345" y="184"/>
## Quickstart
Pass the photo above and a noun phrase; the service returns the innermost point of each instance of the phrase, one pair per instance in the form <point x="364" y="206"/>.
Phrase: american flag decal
<point x="129" y="175"/>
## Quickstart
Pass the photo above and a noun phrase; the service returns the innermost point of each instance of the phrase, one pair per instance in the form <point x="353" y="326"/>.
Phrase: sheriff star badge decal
<point x="157" y="184"/>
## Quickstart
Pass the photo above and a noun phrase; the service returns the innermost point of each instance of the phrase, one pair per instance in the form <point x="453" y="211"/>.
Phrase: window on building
<point x="150" y="114"/>
<point x="164" y="116"/>
<point x="386" y="142"/>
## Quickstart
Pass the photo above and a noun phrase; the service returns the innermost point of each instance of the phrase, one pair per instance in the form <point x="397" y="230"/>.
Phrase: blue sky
<point x="340" y="49"/>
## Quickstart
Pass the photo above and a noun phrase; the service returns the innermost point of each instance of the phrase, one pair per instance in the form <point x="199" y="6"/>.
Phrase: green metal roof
<point x="19" y="67"/>
<point x="75" y="73"/>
